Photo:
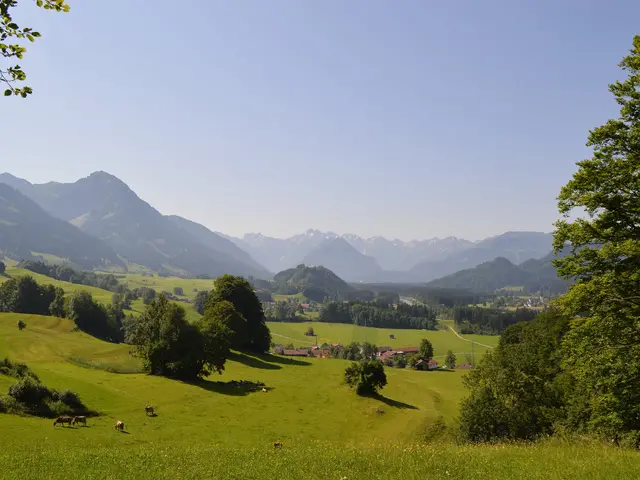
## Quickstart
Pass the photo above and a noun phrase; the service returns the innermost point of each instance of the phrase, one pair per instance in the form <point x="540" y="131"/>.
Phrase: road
<point x="466" y="339"/>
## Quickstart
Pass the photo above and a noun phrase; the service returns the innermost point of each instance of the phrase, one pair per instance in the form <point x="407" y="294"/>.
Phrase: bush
<point x="178" y="291"/>
<point x="367" y="377"/>
<point x="29" y="391"/>
<point x="8" y="404"/>
<point x="16" y="370"/>
<point x="71" y="399"/>
<point x="21" y="325"/>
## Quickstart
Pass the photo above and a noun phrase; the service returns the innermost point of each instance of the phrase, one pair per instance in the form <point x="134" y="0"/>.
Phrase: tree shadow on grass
<point x="253" y="362"/>
<point x="267" y="357"/>
<point x="235" y="388"/>
<point x="390" y="402"/>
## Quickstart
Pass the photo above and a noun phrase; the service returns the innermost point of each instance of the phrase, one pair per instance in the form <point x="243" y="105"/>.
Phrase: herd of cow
<point x="72" y="421"/>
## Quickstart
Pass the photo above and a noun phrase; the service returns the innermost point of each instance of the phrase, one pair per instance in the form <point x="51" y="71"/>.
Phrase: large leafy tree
<point x="603" y="345"/>
<point x="12" y="37"/>
<point x="239" y="293"/>
<point x="366" y="377"/>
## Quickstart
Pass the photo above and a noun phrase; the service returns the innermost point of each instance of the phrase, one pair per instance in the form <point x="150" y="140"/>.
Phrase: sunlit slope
<point x="306" y="399"/>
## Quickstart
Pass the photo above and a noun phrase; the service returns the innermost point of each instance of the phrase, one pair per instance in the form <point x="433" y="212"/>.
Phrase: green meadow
<point x="217" y="429"/>
<point x="442" y="340"/>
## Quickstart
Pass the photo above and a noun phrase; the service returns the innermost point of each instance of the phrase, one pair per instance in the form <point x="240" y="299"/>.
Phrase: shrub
<point x="21" y="325"/>
<point x="8" y="404"/>
<point x="29" y="391"/>
<point x="16" y="370"/>
<point x="367" y="377"/>
<point x="71" y="399"/>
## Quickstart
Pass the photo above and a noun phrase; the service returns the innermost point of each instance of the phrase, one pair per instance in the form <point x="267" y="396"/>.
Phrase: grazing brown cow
<point x="80" y="419"/>
<point x="277" y="444"/>
<point x="62" y="420"/>
<point x="149" y="410"/>
<point x="119" y="425"/>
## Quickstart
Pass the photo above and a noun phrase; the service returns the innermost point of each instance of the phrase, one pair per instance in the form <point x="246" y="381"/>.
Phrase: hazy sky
<point x="408" y="119"/>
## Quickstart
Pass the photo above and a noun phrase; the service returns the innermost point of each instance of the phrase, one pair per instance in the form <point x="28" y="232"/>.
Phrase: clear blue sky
<point x="407" y="119"/>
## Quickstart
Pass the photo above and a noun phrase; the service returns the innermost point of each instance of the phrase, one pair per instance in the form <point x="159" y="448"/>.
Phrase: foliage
<point x="57" y="306"/>
<point x="94" y="318"/>
<point x="169" y="346"/>
<point x="21" y="325"/>
<point x="225" y="313"/>
<point x="24" y="295"/>
<point x="366" y="377"/>
<point x="200" y="301"/>
<point x="240" y="294"/>
<point x="379" y="315"/>
<point x="67" y="274"/>
<point x="31" y="396"/>
<point x="517" y="391"/>
<point x="602" y="350"/>
<point x="16" y="370"/>
<point x="450" y="360"/>
<point x="3" y="268"/>
<point x="489" y="321"/>
<point x="178" y="291"/>
<point x="310" y="332"/>
<point x="426" y="349"/>
<point x="8" y="29"/>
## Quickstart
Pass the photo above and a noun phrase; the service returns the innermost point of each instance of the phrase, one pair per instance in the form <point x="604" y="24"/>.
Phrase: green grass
<point x="50" y="259"/>
<point x="167" y="284"/>
<point x="442" y="340"/>
<point x="216" y="430"/>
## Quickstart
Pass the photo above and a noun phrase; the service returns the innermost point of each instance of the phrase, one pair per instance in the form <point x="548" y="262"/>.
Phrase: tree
<point x="170" y="346"/>
<point x="310" y="332"/>
<point x="3" y="268"/>
<point x="426" y="350"/>
<point x="9" y="29"/>
<point x="178" y="291"/>
<point x="24" y="295"/>
<point x="450" y="360"/>
<point x="366" y="377"/>
<point x="240" y="294"/>
<point x="93" y="318"/>
<point x="602" y="350"/>
<point x="200" y="301"/>
<point x="148" y="295"/>
<point x="225" y="313"/>
<point x="217" y="341"/>
<point x="369" y="351"/>
<point x="57" y="308"/>
<point x="518" y="390"/>
<point x="21" y="325"/>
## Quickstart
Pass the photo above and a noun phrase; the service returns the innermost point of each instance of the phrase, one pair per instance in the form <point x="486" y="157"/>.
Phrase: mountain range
<point x="99" y="222"/>
<point x="103" y="207"/>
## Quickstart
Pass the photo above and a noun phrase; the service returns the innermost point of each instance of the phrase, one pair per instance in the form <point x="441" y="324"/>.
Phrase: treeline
<point x="429" y="295"/>
<point x="25" y="295"/>
<point x="379" y="315"/>
<point x="68" y="274"/>
<point x="489" y="321"/>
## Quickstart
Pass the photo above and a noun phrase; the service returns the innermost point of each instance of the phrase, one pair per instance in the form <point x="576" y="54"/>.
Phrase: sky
<point x="409" y="119"/>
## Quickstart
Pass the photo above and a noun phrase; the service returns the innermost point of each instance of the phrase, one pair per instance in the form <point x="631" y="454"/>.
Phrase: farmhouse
<point x="295" y="353"/>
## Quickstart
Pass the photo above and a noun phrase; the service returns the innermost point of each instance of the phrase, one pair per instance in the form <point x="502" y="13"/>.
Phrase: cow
<point x="149" y="410"/>
<point x="62" y="420"/>
<point x="119" y="425"/>
<point x="264" y="390"/>
<point x="80" y="419"/>
<point x="277" y="444"/>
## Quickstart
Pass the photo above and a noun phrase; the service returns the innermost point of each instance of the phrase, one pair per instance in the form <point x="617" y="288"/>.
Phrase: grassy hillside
<point x="442" y="340"/>
<point x="327" y="431"/>
<point x="167" y="284"/>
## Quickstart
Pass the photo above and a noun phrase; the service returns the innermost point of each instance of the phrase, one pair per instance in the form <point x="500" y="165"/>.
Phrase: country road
<point x="466" y="339"/>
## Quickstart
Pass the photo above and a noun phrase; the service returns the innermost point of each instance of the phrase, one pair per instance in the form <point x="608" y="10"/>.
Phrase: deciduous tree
<point x="11" y="32"/>
<point x="602" y="350"/>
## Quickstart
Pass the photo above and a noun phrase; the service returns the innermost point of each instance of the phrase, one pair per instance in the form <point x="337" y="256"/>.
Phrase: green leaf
<point x="31" y="39"/>
<point x="7" y="92"/>
<point x="39" y="3"/>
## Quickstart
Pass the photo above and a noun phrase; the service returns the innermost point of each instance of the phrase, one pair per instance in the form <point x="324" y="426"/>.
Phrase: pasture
<point x="217" y="429"/>
<point x="331" y="333"/>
